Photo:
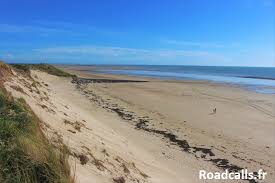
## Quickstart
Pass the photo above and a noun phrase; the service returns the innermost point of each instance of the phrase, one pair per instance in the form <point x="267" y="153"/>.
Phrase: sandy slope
<point x="110" y="154"/>
<point x="126" y="129"/>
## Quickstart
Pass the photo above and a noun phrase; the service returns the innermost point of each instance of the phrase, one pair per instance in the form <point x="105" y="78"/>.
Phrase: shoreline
<point x="94" y="68"/>
<point x="262" y="89"/>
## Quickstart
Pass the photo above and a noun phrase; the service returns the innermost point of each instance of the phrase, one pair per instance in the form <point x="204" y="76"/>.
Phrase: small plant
<point x="119" y="180"/>
<point x="83" y="159"/>
<point x="77" y="126"/>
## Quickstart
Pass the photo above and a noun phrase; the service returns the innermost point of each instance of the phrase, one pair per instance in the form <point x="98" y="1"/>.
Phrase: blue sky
<point x="184" y="32"/>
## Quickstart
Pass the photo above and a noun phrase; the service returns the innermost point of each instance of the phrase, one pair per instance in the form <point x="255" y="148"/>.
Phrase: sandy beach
<point x="137" y="91"/>
<point x="152" y="130"/>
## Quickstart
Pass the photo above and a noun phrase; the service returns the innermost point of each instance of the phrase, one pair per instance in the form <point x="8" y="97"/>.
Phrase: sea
<point x="258" y="79"/>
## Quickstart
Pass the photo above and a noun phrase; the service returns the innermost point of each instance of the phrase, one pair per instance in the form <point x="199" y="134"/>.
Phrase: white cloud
<point x="8" y="28"/>
<point x="83" y="29"/>
<point x="126" y="53"/>
<point x="195" y="44"/>
<point x="45" y="28"/>
<point x="7" y="55"/>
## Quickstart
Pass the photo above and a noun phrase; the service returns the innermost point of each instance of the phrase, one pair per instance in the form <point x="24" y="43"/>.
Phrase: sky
<point x="153" y="32"/>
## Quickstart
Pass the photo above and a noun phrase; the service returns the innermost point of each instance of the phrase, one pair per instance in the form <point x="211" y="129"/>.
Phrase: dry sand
<point x="156" y="131"/>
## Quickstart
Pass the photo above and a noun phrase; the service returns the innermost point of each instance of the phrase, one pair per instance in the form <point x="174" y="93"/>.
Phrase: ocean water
<point x="259" y="79"/>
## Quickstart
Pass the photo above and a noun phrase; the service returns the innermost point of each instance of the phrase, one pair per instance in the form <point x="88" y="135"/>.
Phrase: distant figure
<point x="214" y="110"/>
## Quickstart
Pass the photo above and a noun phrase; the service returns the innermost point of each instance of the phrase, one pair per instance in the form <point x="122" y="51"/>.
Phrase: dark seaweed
<point x="141" y="123"/>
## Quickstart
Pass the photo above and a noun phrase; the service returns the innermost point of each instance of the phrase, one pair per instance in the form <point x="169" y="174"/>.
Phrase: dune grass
<point x="50" y="69"/>
<point x="25" y="154"/>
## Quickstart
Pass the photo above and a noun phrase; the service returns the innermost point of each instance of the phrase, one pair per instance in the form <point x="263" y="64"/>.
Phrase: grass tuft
<point x="50" y="69"/>
<point x="25" y="154"/>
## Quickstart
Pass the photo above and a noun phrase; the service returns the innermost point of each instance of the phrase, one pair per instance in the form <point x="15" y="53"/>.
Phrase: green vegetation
<point x="50" y="69"/>
<point x="25" y="154"/>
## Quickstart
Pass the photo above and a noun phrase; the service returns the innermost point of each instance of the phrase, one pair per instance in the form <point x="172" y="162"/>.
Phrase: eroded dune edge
<point x="26" y="155"/>
<point x="127" y="130"/>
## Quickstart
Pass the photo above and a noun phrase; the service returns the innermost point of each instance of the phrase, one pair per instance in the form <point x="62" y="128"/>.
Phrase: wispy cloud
<point x="127" y="53"/>
<point x="57" y="28"/>
<point x="9" y="28"/>
<point x="78" y="27"/>
<point x="195" y="44"/>
<point x="7" y="56"/>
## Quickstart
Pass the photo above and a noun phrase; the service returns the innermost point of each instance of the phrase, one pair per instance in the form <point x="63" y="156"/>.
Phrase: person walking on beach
<point x="214" y="110"/>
